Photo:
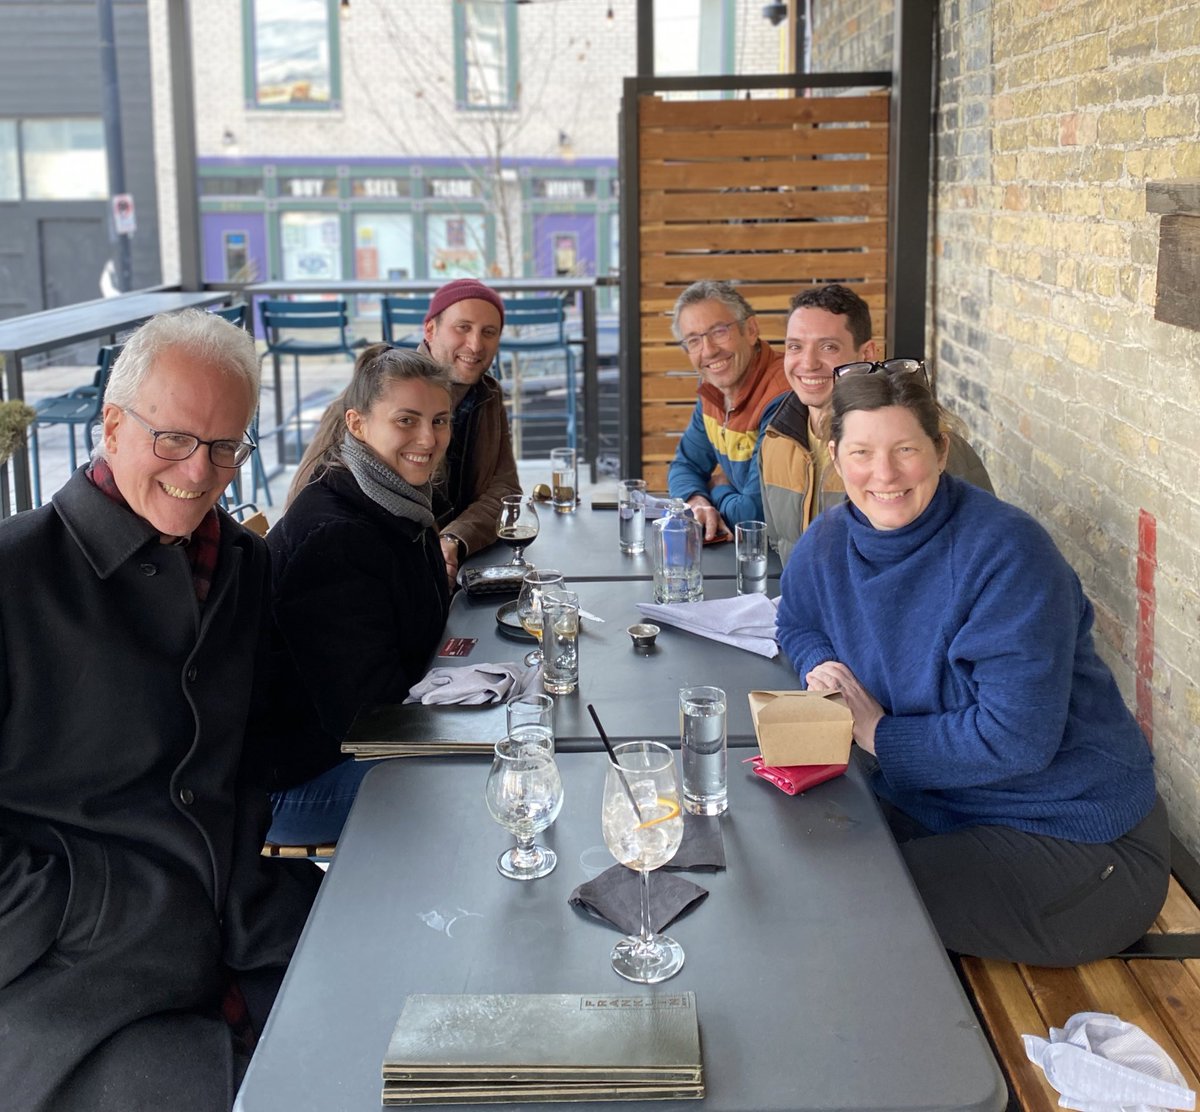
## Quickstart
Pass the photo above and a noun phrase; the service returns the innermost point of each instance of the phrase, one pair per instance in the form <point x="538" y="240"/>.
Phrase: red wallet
<point x="794" y="778"/>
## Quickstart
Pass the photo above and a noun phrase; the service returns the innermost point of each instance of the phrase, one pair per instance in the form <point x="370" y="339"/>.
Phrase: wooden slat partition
<point x="774" y="194"/>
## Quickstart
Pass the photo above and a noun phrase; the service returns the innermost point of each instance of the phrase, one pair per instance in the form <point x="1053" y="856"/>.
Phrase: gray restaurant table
<point x="583" y="545"/>
<point x="819" y="981"/>
<point x="635" y="694"/>
<point x="38" y="332"/>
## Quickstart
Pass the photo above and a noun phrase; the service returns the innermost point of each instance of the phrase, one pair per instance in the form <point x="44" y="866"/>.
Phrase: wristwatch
<point x="458" y="544"/>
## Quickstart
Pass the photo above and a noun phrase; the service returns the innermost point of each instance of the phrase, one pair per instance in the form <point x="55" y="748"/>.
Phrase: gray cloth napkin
<point x="703" y="846"/>
<point x="473" y="685"/>
<point x="614" y="896"/>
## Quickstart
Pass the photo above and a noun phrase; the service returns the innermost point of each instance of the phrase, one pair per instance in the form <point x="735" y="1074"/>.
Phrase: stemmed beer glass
<point x="517" y="526"/>
<point x="524" y="794"/>
<point x="529" y="605"/>
<point x="643" y="837"/>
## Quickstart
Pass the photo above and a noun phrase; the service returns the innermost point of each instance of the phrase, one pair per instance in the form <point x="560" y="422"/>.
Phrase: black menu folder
<point x="520" y="1048"/>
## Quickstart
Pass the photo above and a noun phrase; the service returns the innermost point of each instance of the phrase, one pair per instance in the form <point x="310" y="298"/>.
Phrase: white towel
<point x="473" y="684"/>
<point x="1099" y="1063"/>
<point x="745" y="621"/>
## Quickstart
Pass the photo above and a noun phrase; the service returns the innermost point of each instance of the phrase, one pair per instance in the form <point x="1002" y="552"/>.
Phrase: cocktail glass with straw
<point x="643" y="826"/>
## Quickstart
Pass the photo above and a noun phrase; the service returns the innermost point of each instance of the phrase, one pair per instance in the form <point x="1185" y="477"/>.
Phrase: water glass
<point x="560" y="641"/>
<point x="750" y="540"/>
<point x="564" y="480"/>
<point x="631" y="512"/>
<point x="703" y="745"/>
<point x="524" y="794"/>
<point x="530" y="719"/>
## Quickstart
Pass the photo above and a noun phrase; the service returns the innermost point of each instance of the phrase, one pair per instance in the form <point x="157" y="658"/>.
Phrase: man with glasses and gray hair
<point x="829" y="329"/>
<point x="715" y="469"/>
<point x="142" y="935"/>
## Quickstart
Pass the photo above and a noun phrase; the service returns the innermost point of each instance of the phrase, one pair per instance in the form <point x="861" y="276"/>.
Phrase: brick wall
<point x="1052" y="118"/>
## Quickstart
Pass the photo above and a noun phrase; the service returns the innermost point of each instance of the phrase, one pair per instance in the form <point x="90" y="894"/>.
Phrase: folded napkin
<point x="744" y="621"/>
<point x="703" y="846"/>
<point x="473" y="685"/>
<point x="615" y="895"/>
<point x="1099" y="1063"/>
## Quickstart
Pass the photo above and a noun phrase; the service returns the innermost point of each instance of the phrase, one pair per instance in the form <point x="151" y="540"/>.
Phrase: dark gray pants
<point x="996" y="892"/>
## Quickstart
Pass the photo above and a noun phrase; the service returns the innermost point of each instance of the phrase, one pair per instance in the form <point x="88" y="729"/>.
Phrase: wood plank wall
<point x="774" y="195"/>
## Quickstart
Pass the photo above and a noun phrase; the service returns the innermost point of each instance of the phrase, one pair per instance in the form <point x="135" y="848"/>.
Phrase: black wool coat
<point x="130" y="876"/>
<point x="360" y="606"/>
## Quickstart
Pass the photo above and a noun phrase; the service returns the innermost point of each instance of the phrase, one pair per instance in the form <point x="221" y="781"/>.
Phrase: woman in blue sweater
<point x="1019" y="786"/>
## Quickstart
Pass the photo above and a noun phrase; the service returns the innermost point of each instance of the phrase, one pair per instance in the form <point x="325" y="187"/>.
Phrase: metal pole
<point x="645" y="38"/>
<point x="183" y="115"/>
<point x="114" y="147"/>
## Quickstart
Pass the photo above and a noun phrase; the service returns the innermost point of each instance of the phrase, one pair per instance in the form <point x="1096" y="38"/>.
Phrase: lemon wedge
<point x="672" y="810"/>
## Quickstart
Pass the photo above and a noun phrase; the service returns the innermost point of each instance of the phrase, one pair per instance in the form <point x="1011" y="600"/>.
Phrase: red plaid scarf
<point x="202" y="547"/>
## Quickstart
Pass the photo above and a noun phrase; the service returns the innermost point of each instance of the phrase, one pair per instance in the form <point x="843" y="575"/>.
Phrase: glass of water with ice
<point x="631" y="514"/>
<point x="702" y="741"/>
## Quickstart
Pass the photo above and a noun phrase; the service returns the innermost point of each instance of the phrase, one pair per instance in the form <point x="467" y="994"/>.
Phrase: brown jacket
<point x="470" y="502"/>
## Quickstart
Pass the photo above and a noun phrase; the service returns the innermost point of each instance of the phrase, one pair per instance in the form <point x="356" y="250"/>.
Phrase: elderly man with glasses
<point x="142" y="935"/>
<point x="828" y="331"/>
<point x="715" y="469"/>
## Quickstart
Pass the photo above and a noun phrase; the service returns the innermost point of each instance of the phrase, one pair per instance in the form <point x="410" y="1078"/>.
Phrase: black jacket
<point x="130" y="874"/>
<point x="360" y="606"/>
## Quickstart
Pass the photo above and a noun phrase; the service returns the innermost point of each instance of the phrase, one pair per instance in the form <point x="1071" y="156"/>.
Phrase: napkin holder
<point x="802" y="727"/>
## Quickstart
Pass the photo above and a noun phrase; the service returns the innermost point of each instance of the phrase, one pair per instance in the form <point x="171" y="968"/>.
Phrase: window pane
<point x="291" y="52"/>
<point x="383" y="248"/>
<point x="486" y="53"/>
<point x="312" y="245"/>
<point x="10" y="180"/>
<point x="456" y="246"/>
<point x="64" y="160"/>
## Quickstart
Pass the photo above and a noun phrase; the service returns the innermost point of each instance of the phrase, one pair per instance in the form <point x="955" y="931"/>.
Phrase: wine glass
<point x="529" y="605"/>
<point x="517" y="526"/>
<point x="524" y="794"/>
<point x="644" y="837"/>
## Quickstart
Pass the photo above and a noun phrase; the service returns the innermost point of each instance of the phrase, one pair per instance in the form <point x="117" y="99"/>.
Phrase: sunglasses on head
<point x="887" y="366"/>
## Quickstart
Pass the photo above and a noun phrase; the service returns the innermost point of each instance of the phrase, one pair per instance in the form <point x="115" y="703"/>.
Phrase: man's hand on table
<point x="449" y="545"/>
<point x="710" y="517"/>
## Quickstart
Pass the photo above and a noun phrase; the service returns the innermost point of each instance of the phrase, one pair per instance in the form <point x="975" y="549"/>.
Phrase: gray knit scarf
<point x="384" y="486"/>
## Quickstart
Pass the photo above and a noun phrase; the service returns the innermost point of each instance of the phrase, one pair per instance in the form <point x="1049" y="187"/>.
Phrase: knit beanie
<point x="463" y="289"/>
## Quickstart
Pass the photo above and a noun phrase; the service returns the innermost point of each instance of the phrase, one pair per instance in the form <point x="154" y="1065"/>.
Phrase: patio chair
<point x="78" y="408"/>
<point x="235" y="313"/>
<point x="280" y="317"/>
<point x="536" y="325"/>
<point x="404" y="319"/>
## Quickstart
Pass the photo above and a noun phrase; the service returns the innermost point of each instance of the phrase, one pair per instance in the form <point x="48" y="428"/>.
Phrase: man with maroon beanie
<point x="462" y="330"/>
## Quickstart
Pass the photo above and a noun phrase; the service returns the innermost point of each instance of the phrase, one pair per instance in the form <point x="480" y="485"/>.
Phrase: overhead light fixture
<point x="228" y="139"/>
<point x="608" y="16"/>
<point x="345" y="9"/>
<point x="775" y="14"/>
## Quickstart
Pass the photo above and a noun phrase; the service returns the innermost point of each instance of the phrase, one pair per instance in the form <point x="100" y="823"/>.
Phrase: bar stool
<point x="542" y="324"/>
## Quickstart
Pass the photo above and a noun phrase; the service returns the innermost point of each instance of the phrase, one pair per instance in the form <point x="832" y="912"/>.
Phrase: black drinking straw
<point x="613" y="757"/>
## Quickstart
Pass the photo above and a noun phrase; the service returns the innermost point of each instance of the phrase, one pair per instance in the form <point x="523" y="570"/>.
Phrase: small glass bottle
<point x="676" y="541"/>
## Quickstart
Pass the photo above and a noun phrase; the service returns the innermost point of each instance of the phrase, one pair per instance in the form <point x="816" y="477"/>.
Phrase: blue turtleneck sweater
<point x="974" y="634"/>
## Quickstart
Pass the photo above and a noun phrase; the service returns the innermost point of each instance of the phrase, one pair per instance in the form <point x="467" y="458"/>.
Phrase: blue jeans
<point x="314" y="813"/>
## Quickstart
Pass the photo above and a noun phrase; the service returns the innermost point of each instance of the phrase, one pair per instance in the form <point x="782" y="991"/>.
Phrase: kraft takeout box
<point x="802" y="727"/>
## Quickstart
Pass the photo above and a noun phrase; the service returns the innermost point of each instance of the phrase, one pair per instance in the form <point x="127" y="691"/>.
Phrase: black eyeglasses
<point x="887" y="367"/>
<point x="178" y="446"/>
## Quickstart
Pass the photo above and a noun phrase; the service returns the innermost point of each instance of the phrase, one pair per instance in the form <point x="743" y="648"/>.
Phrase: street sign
<point x="124" y="220"/>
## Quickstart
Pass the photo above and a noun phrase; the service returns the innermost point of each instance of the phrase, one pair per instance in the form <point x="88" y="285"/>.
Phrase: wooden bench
<point x="1154" y="984"/>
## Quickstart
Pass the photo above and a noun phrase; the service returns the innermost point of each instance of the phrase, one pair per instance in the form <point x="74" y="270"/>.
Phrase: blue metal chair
<point x="78" y="408"/>
<point x="403" y="320"/>
<point x="279" y="317"/>
<point x="237" y="313"/>
<point x="535" y="325"/>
